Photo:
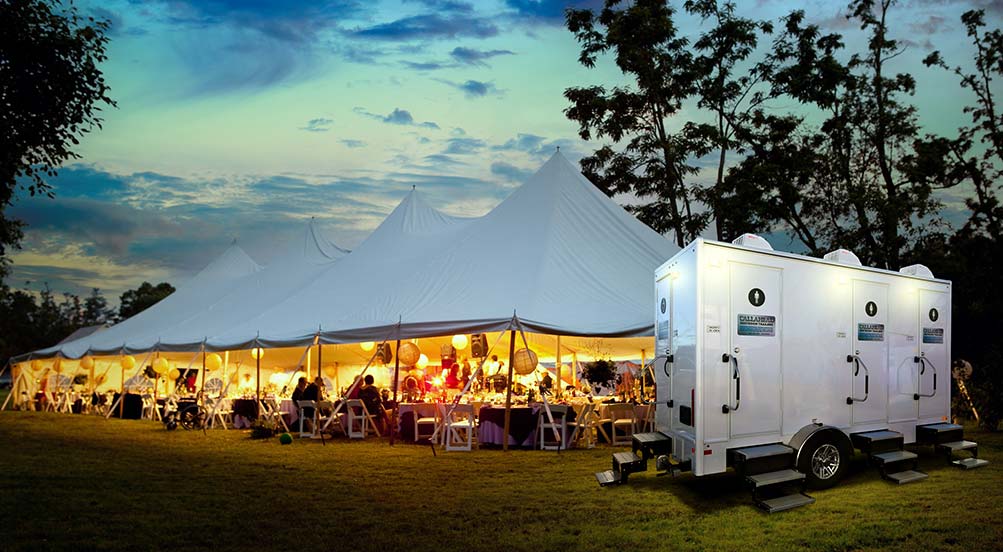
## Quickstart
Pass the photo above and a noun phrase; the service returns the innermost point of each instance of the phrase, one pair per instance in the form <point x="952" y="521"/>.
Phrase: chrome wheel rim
<point x="825" y="461"/>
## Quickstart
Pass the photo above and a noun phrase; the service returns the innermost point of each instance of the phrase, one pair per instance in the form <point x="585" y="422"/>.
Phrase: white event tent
<point x="557" y="255"/>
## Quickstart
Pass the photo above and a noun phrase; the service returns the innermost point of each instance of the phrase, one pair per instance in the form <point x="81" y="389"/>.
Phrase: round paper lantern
<point x="330" y="370"/>
<point x="286" y="439"/>
<point x="460" y="342"/>
<point x="524" y="362"/>
<point x="87" y="362"/>
<point x="57" y="365"/>
<point x="128" y="362"/>
<point x="422" y="362"/>
<point x="174" y="374"/>
<point x="213" y="362"/>
<point x="367" y="345"/>
<point x="409" y="353"/>
<point x="160" y="366"/>
<point x="257" y="352"/>
<point x="36" y="365"/>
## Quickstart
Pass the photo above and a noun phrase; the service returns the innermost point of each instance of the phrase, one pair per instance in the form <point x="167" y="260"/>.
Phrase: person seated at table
<point x="313" y="392"/>
<point x="465" y="373"/>
<point x="369" y="394"/>
<point x="546" y="384"/>
<point x="300" y="388"/>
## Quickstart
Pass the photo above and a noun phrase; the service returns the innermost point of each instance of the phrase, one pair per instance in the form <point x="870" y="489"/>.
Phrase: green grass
<point x="72" y="481"/>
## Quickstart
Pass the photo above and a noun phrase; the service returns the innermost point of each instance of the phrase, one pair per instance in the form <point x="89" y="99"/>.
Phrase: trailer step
<point x="871" y="442"/>
<point x="626" y="463"/>
<point x="762" y="459"/>
<point x="607" y="478"/>
<point x="907" y="476"/>
<point x="786" y="502"/>
<point x="936" y="434"/>
<point x="955" y="446"/>
<point x="775" y="478"/>
<point x="651" y="444"/>
<point x="891" y="457"/>
<point x="970" y="463"/>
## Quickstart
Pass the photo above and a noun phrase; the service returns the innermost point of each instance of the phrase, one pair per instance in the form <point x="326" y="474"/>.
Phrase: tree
<point x="651" y="162"/>
<point x="50" y="91"/>
<point x="135" y="301"/>
<point x="95" y="309"/>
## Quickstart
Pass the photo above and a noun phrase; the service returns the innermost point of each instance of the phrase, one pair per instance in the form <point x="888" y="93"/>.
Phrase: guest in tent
<point x="300" y="388"/>
<point x="369" y="394"/>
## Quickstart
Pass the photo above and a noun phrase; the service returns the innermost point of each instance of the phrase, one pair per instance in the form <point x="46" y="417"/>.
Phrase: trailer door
<point x="934" y="367"/>
<point x="754" y="353"/>
<point x="868" y="367"/>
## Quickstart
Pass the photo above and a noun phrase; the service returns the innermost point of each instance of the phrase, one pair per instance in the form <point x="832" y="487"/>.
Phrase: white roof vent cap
<point x="843" y="256"/>
<point x="917" y="270"/>
<point x="752" y="240"/>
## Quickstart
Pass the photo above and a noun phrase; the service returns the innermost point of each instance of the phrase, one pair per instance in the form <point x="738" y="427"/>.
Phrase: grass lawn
<point x="79" y="481"/>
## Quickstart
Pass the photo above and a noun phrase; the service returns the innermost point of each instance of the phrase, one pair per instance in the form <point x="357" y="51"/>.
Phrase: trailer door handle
<point x="923" y="362"/>
<point x="857" y="364"/>
<point x="737" y="376"/>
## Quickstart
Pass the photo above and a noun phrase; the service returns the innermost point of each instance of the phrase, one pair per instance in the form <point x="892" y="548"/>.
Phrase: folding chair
<point x="545" y="428"/>
<point x="358" y="419"/>
<point x="270" y="411"/>
<point x="645" y="414"/>
<point x="584" y="426"/>
<point x="427" y="416"/>
<point x="459" y="424"/>
<point x="303" y="405"/>
<point x="223" y="414"/>
<point x="623" y="423"/>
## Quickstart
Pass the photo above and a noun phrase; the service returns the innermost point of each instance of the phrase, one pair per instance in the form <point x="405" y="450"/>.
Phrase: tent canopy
<point x="558" y="254"/>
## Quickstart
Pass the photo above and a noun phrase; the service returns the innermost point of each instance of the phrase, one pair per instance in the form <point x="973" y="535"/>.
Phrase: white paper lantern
<point x="524" y="362"/>
<point x="460" y="342"/>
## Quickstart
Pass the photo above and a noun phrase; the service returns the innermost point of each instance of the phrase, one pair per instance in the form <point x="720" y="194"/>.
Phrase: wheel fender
<point x="810" y="431"/>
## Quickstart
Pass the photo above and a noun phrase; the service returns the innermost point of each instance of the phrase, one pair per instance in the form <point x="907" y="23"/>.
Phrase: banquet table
<point x="522" y="426"/>
<point x="245" y="411"/>
<point x="406" y="415"/>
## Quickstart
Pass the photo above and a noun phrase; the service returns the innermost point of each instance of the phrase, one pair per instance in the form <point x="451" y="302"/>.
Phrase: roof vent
<point x="752" y="240"/>
<point x="843" y="256"/>
<point x="917" y="270"/>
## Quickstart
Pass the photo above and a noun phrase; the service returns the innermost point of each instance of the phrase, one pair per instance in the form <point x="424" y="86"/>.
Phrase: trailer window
<point x="685" y="415"/>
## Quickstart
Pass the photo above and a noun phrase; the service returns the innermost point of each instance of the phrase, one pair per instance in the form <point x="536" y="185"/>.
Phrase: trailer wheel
<point x="824" y="459"/>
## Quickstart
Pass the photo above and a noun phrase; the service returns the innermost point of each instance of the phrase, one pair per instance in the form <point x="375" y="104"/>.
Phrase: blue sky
<point x="244" y="118"/>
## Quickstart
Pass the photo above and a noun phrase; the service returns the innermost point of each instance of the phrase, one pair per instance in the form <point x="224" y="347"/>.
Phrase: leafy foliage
<point x="135" y="301"/>
<point x="599" y="372"/>
<point x="50" y="89"/>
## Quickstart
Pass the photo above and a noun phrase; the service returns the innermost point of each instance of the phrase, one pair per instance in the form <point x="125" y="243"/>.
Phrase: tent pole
<point x="508" y="390"/>
<point x="397" y="373"/>
<point x="13" y="385"/>
<point x="642" y="369"/>
<point x="560" y="384"/>
<point x="202" y="387"/>
<point x="574" y="370"/>
<point x="257" y="381"/>
<point x="320" y="360"/>
<point x="121" y="394"/>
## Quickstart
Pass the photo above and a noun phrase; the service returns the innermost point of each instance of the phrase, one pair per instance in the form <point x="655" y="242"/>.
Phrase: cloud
<point x="349" y="143"/>
<point x="463" y="146"/>
<point x="932" y="25"/>
<point x="441" y="159"/>
<point x="429" y="26"/>
<point x="471" y="56"/>
<point x="425" y="66"/>
<point x="319" y="124"/>
<point x="510" y="172"/>
<point x="473" y="88"/>
<point x="529" y="143"/>
<point x="549" y="12"/>
<point x="397" y="117"/>
<point x="296" y="22"/>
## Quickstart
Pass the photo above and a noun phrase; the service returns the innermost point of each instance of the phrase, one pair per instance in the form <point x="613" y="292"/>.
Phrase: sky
<point x="243" y="119"/>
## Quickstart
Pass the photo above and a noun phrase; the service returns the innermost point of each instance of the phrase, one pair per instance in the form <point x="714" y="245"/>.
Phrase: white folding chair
<point x="302" y="405"/>
<point x="358" y="419"/>
<point x="584" y="426"/>
<point x="623" y="423"/>
<point x="545" y="429"/>
<point x="223" y="413"/>
<point x="425" y="415"/>
<point x="270" y="411"/>
<point x="645" y="414"/>
<point x="460" y="425"/>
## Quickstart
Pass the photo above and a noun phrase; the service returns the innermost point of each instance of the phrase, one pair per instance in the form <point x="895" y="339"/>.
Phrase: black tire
<point x="824" y="459"/>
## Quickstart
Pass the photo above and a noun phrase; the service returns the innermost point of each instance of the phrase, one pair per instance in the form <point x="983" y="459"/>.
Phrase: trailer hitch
<point x="857" y="363"/>
<point x="737" y="376"/>
<point x="923" y="362"/>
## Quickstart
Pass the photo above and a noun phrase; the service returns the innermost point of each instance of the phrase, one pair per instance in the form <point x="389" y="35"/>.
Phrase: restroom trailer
<point x="779" y="365"/>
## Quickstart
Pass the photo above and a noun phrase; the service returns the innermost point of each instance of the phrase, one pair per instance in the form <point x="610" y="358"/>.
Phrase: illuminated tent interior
<point x="561" y="258"/>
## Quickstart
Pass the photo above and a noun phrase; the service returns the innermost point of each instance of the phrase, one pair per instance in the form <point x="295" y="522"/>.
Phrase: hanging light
<point x="213" y="362"/>
<point x="160" y="366"/>
<point x="257" y="352"/>
<point x="460" y="342"/>
<point x="128" y="362"/>
<point x="174" y="374"/>
<point x="524" y="362"/>
<point x="87" y="362"/>
<point x="367" y="345"/>
<point x="409" y="354"/>
<point x="422" y="362"/>
<point x="330" y="370"/>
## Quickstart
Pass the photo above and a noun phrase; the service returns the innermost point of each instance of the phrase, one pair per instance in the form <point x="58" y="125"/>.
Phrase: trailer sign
<point x="757" y="325"/>
<point x="870" y="332"/>
<point x="933" y="335"/>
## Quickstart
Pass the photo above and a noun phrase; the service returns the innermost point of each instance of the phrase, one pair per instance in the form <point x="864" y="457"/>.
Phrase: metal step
<point x="786" y="502"/>
<point x="955" y="446"/>
<point x="935" y="434"/>
<point x="652" y="443"/>
<point x="870" y="442"/>
<point x="907" y="476"/>
<point x="775" y="478"/>
<point x="628" y="462"/>
<point x="762" y="459"/>
<point x="608" y="477"/>
<point x="893" y="456"/>
<point x="970" y="463"/>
